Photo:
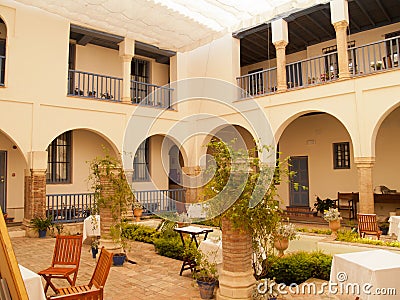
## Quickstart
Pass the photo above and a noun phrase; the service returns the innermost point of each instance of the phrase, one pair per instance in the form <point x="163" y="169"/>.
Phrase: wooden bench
<point x="367" y="224"/>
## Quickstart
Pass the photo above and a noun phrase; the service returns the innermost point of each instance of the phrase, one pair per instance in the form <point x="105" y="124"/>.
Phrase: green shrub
<point x="300" y="266"/>
<point x="139" y="233"/>
<point x="169" y="246"/>
<point x="352" y="237"/>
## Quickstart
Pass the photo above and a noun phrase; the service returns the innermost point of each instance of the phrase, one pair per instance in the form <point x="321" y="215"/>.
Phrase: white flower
<point x="332" y="215"/>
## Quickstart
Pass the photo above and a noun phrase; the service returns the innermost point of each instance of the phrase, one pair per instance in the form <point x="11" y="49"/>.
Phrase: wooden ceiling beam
<point x="364" y="11"/>
<point x="84" y="40"/>
<point x="320" y="27"/>
<point x="308" y="31"/>
<point x="383" y="10"/>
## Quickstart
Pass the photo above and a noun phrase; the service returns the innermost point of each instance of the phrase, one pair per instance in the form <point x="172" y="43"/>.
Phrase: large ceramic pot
<point x="119" y="259"/>
<point x="334" y="226"/>
<point x="206" y="288"/>
<point x="281" y="244"/>
<point x="42" y="233"/>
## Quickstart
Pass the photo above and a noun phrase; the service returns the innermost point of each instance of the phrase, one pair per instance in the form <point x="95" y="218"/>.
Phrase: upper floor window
<point x="59" y="159"/>
<point x="141" y="162"/>
<point x="3" y="37"/>
<point x="341" y="155"/>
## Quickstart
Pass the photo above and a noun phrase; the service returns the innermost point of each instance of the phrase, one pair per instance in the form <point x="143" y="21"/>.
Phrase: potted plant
<point x="206" y="275"/>
<point x="94" y="246"/>
<point x="282" y="234"/>
<point x="137" y="210"/>
<point x="384" y="227"/>
<point x="41" y="224"/>
<point x="322" y="205"/>
<point x="333" y="217"/>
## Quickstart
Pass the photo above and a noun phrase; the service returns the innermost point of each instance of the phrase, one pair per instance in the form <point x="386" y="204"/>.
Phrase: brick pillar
<point x="34" y="198"/>
<point x="341" y="40"/>
<point x="191" y="183"/>
<point x="236" y="278"/>
<point x="365" y="184"/>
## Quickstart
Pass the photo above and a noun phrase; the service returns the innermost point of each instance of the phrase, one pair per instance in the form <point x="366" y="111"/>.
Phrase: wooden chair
<point x="66" y="257"/>
<point x="347" y="202"/>
<point x="96" y="294"/>
<point x="96" y="283"/>
<point x="367" y="224"/>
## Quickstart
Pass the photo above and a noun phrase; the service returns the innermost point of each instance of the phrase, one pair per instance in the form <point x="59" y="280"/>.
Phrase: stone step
<point x="16" y="231"/>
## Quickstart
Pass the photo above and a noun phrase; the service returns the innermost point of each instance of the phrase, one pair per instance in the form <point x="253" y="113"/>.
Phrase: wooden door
<point x="299" y="197"/>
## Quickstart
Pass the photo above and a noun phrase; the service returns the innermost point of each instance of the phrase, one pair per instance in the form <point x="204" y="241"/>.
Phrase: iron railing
<point x="150" y="94"/>
<point x="91" y="85"/>
<point x="68" y="208"/>
<point x="257" y="83"/>
<point x="374" y="57"/>
<point x="160" y="201"/>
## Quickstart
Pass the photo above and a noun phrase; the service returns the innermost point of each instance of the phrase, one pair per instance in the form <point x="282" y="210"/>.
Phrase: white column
<point x="280" y="39"/>
<point x="126" y="52"/>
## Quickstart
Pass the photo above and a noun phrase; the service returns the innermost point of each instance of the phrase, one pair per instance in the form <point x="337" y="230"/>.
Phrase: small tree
<point x="237" y="173"/>
<point x="112" y="193"/>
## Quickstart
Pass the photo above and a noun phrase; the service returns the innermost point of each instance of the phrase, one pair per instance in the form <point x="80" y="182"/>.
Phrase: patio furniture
<point x="367" y="224"/>
<point x="91" y="227"/>
<point x="33" y="283"/>
<point x="394" y="226"/>
<point x="66" y="257"/>
<point x="370" y="271"/>
<point x="96" y="283"/>
<point x="193" y="231"/>
<point x="347" y="202"/>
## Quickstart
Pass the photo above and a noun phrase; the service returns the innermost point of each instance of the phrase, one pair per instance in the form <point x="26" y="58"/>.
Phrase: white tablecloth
<point x="33" y="284"/>
<point x="378" y="268"/>
<point x="212" y="250"/>
<point x="394" y="223"/>
<point x="91" y="227"/>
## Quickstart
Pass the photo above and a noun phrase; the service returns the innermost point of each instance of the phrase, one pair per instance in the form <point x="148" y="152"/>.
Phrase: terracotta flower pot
<point x="137" y="212"/>
<point x="281" y="244"/>
<point x="334" y="226"/>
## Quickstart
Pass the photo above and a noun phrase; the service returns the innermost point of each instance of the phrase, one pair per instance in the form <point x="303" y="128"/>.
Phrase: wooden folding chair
<point x="66" y="257"/>
<point x="367" y="224"/>
<point x="96" y="283"/>
<point x="96" y="294"/>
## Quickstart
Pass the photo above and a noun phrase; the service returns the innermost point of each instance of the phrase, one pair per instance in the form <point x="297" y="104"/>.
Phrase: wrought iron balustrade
<point x="68" y="208"/>
<point x="160" y="201"/>
<point x="91" y="85"/>
<point x="258" y="83"/>
<point x="150" y="94"/>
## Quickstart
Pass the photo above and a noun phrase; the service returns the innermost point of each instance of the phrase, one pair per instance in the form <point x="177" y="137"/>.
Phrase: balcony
<point x="366" y="59"/>
<point x="103" y="87"/>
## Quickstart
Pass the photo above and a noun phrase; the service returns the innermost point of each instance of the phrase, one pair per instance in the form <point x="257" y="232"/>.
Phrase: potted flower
<point x="333" y="217"/>
<point x="282" y="234"/>
<point x="376" y="65"/>
<point x="94" y="246"/>
<point x="206" y="275"/>
<point x="137" y="210"/>
<point x="41" y="224"/>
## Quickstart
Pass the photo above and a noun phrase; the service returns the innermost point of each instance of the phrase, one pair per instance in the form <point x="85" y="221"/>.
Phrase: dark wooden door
<point x="299" y="197"/>
<point x="3" y="180"/>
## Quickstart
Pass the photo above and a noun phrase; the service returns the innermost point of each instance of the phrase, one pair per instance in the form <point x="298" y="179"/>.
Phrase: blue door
<point x="299" y="197"/>
<point x="3" y="180"/>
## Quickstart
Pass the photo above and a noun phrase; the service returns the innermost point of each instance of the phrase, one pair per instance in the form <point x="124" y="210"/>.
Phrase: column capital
<point x="343" y="24"/>
<point x="127" y="58"/>
<point x="127" y="47"/>
<point x="364" y="162"/>
<point x="280" y="44"/>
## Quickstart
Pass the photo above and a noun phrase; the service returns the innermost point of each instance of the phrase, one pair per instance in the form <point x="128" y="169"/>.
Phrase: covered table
<point x="91" y="227"/>
<point x="33" y="284"/>
<point x="394" y="223"/>
<point x="374" y="272"/>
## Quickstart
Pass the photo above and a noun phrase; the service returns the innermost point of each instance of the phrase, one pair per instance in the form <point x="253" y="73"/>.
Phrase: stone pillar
<point x="35" y="189"/>
<point x="126" y="52"/>
<point x="340" y="20"/>
<point x="280" y="39"/>
<point x="191" y="183"/>
<point x="365" y="184"/>
<point x="236" y="279"/>
<point x="343" y="56"/>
